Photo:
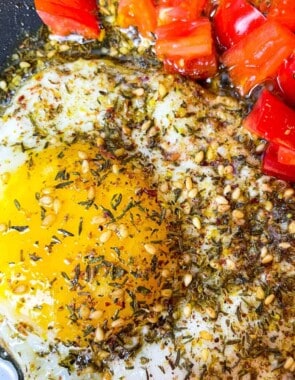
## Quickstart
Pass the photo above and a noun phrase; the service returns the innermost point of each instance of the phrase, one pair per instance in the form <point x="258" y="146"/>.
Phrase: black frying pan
<point x="17" y="19"/>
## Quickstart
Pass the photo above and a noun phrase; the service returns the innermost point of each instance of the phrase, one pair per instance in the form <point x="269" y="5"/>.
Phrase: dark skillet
<point x="17" y="19"/>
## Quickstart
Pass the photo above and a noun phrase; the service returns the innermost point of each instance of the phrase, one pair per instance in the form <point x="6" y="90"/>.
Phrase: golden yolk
<point x="82" y="243"/>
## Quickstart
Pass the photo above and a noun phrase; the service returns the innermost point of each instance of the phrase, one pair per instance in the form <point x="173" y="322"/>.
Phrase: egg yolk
<point x="83" y="244"/>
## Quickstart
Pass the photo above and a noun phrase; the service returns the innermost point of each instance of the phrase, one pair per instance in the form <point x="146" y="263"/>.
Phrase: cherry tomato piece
<point x="271" y="165"/>
<point x="286" y="79"/>
<point x="272" y="120"/>
<point x="234" y="19"/>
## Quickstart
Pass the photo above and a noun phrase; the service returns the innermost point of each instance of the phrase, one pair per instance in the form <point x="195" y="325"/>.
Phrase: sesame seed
<point x="187" y="310"/>
<point x="48" y="220"/>
<point x="236" y="194"/>
<point x="82" y="155"/>
<point x="46" y="201"/>
<point x="99" y="141"/>
<point x="99" y="334"/>
<point x="199" y="157"/>
<point x="105" y="236"/>
<point x="288" y="193"/>
<point x="91" y="193"/>
<point x="56" y="206"/>
<point x="85" y="166"/>
<point x="150" y="248"/>
<point x="221" y="200"/>
<point x="206" y="335"/>
<point x="188" y="183"/>
<point x="24" y="65"/>
<point x="196" y="222"/>
<point x="193" y="193"/>
<point x="96" y="314"/>
<point x="269" y="299"/>
<point x="267" y="259"/>
<point x="118" y="323"/>
<point x="211" y="312"/>
<point x="167" y="293"/>
<point x="260" y="295"/>
<point x="291" y="227"/>
<point x="187" y="279"/>
<point x="288" y="363"/>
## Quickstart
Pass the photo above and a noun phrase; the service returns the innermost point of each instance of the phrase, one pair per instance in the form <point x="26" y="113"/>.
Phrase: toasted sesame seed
<point x="291" y="227"/>
<point x="24" y="65"/>
<point x="221" y="200"/>
<point x="46" y="201"/>
<point x="260" y="294"/>
<point x="99" y="334"/>
<point x="268" y="205"/>
<point x="196" y="222"/>
<point x="288" y="363"/>
<point x="226" y="190"/>
<point x="267" y="259"/>
<point x="238" y="214"/>
<point x="3" y="85"/>
<point x="84" y="312"/>
<point x="211" y="312"/>
<point x="118" y="323"/>
<point x="164" y="187"/>
<point x="123" y="231"/>
<point x="199" y="157"/>
<point x="91" y="193"/>
<point x="235" y="195"/>
<point x="284" y="245"/>
<point x="48" y="220"/>
<point x="20" y="289"/>
<point x="105" y="236"/>
<point x="186" y="208"/>
<point x="158" y="308"/>
<point x="288" y="193"/>
<point x="82" y="155"/>
<point x="223" y="208"/>
<point x="269" y="299"/>
<point x="188" y="183"/>
<point x="98" y="220"/>
<point x="187" y="279"/>
<point x="263" y="252"/>
<point x="138" y="92"/>
<point x="96" y="314"/>
<point x="119" y="152"/>
<point x="165" y="273"/>
<point x="205" y="354"/>
<point x="3" y="227"/>
<point x="150" y="248"/>
<point x="56" y="206"/>
<point x="99" y="141"/>
<point x="178" y="184"/>
<point x="85" y="166"/>
<point x="162" y="90"/>
<point x="187" y="310"/>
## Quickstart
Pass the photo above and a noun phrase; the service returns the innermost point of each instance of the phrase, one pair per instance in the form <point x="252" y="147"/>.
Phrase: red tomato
<point x="235" y="19"/>
<point x="286" y="79"/>
<point x="196" y="43"/>
<point x="258" y="56"/>
<point x="140" y="13"/>
<point x="198" y="68"/>
<point x="176" y="10"/>
<point x="69" y="16"/>
<point x="271" y="166"/>
<point x="286" y="156"/>
<point x="283" y="11"/>
<point x="272" y="120"/>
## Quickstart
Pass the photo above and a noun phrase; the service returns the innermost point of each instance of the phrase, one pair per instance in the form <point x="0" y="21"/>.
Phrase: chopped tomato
<point x="198" y="68"/>
<point x="271" y="165"/>
<point x="234" y="19"/>
<point x="138" y="13"/>
<point x="196" y="43"/>
<point x="286" y="79"/>
<point x="70" y="16"/>
<point x="272" y="120"/>
<point x="283" y="11"/>
<point x="175" y="10"/>
<point x="258" y="55"/>
<point x="286" y="156"/>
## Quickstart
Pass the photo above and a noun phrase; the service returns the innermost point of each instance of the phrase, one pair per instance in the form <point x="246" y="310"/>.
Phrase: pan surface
<point x="17" y="19"/>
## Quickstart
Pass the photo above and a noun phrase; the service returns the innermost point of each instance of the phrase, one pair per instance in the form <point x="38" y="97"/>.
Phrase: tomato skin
<point x="198" y="68"/>
<point x="286" y="79"/>
<point x="69" y="16"/>
<point x="176" y="10"/>
<point x="234" y="19"/>
<point x="195" y="43"/>
<point x="272" y="167"/>
<point x="258" y="56"/>
<point x="138" y="13"/>
<point x="272" y="120"/>
<point x="283" y="11"/>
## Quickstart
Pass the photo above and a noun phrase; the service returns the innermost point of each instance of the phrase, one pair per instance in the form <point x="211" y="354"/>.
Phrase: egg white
<point x="79" y="94"/>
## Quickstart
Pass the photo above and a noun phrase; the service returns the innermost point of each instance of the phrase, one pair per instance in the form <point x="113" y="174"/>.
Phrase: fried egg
<point x="134" y="227"/>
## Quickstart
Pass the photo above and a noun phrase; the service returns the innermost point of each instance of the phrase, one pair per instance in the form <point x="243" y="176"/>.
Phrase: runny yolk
<point x="83" y="244"/>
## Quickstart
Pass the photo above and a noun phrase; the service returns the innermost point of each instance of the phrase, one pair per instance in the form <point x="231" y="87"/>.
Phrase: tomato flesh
<point x="185" y="10"/>
<point x="234" y="19"/>
<point x="258" y="55"/>
<point x="272" y="120"/>
<point x="195" y="42"/>
<point x="283" y="11"/>
<point x="286" y="156"/>
<point x="138" y="13"/>
<point x="69" y="16"/>
<point x="271" y="165"/>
